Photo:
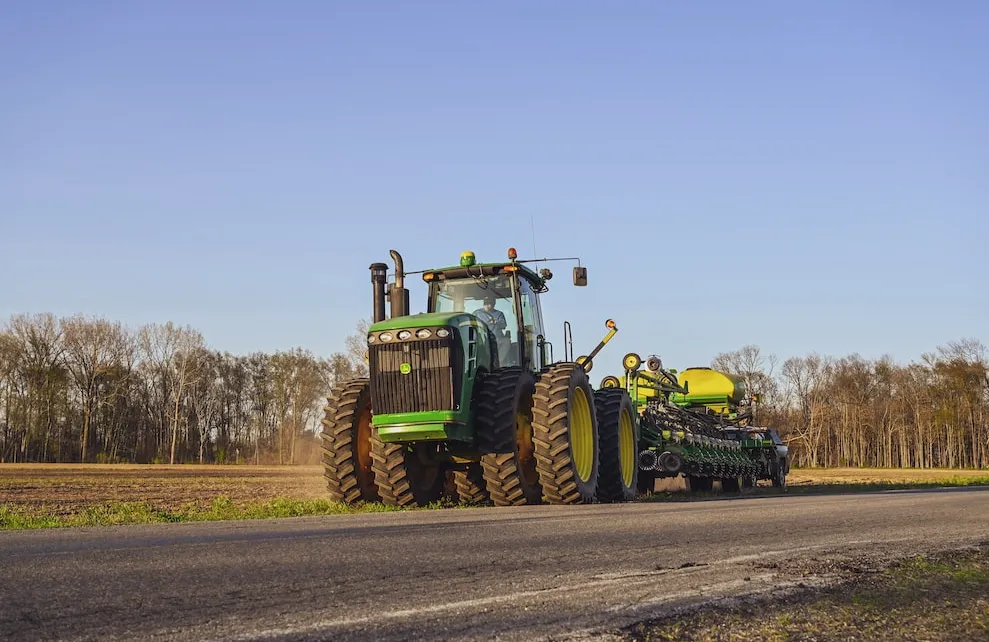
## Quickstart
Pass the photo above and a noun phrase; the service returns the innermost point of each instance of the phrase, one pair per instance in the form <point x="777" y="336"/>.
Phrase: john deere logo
<point x="405" y="368"/>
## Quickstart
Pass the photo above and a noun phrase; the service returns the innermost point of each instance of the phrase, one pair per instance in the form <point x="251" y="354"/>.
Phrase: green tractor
<point x="465" y="399"/>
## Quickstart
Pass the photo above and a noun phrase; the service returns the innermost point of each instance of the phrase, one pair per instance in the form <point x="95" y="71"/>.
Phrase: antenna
<point x="532" y="223"/>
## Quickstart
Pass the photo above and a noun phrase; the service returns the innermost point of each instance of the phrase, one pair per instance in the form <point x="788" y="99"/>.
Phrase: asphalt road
<point x="456" y="574"/>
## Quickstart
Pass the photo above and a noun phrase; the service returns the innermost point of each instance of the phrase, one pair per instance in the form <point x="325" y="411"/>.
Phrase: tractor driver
<point x="495" y="319"/>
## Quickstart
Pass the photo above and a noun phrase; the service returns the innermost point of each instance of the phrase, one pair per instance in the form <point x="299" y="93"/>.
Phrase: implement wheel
<point x="346" y="443"/>
<point x="779" y="476"/>
<point x="731" y="484"/>
<point x="403" y="479"/>
<point x="617" y="438"/>
<point x="700" y="484"/>
<point x="565" y="432"/>
<point x="647" y="482"/>
<point x="505" y="437"/>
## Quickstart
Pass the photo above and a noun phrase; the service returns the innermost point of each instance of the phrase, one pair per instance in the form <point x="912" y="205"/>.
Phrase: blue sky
<point x="799" y="176"/>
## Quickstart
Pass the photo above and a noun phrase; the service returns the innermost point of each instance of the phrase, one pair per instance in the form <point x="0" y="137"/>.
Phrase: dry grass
<point x="804" y="476"/>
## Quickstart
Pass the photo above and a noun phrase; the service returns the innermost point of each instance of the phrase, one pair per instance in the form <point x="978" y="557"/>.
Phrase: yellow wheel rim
<point x="581" y="434"/>
<point x="626" y="450"/>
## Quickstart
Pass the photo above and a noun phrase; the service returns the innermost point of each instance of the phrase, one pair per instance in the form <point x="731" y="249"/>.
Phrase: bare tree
<point x="94" y="349"/>
<point x="357" y="348"/>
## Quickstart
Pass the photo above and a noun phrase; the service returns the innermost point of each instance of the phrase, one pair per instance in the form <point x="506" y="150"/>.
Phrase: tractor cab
<point x="502" y="296"/>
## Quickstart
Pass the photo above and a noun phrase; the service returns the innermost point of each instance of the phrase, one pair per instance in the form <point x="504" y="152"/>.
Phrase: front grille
<point x="432" y="383"/>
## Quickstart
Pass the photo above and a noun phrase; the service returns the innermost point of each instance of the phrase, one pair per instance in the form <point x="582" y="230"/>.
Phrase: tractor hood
<point x="424" y="320"/>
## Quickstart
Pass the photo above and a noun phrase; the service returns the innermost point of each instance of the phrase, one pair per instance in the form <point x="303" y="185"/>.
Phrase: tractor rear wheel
<point x="505" y="437"/>
<point x="619" y="473"/>
<point x="403" y="479"/>
<point x="346" y="443"/>
<point x="565" y="433"/>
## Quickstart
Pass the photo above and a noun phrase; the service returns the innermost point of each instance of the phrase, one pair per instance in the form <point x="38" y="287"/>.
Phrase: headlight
<point x="424" y="333"/>
<point x="442" y="333"/>
<point x="385" y="336"/>
<point x="404" y="334"/>
<point x="371" y="338"/>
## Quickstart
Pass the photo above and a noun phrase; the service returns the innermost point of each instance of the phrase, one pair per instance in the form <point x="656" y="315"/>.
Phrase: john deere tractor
<point x="465" y="399"/>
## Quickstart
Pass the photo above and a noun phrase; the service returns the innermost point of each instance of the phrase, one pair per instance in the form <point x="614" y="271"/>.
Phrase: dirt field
<point x="68" y="488"/>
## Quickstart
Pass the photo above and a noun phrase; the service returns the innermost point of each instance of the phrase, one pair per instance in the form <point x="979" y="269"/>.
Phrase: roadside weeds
<point x="938" y="596"/>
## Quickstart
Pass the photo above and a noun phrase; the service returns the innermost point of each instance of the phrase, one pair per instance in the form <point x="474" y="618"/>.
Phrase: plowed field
<point x="68" y="488"/>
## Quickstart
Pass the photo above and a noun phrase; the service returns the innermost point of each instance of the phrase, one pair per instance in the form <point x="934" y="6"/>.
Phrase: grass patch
<point x="220" y="508"/>
<point x="941" y="597"/>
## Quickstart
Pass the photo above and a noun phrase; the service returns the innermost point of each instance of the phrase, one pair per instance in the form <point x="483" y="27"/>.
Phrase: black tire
<point x="779" y="476"/>
<point x="699" y="484"/>
<point x="647" y="482"/>
<point x="618" y="438"/>
<point x="731" y="484"/>
<point x="470" y="485"/>
<point x="565" y="433"/>
<point x="402" y="478"/>
<point x="505" y="437"/>
<point x="346" y="445"/>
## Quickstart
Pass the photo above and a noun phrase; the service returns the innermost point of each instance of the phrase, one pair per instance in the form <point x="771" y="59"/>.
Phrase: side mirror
<point x="580" y="275"/>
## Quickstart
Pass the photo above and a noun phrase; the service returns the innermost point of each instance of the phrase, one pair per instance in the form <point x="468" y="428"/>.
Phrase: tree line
<point x="851" y="411"/>
<point x="83" y="389"/>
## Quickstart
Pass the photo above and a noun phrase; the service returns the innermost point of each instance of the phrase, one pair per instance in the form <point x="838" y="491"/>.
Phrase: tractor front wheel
<point x="403" y="479"/>
<point x="346" y="443"/>
<point x="505" y="437"/>
<point x="565" y="433"/>
<point x="469" y="484"/>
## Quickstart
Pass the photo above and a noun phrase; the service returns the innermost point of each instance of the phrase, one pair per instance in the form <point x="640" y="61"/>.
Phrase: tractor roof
<point x="470" y="268"/>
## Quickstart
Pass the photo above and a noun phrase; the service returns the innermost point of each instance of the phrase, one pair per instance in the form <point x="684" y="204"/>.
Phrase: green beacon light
<point x="467" y="259"/>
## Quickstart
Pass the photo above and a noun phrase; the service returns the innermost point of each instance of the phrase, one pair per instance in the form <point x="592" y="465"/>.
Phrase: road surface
<point x="479" y="574"/>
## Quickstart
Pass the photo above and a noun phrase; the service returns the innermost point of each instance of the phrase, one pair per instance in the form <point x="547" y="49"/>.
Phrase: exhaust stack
<point x="379" y="276"/>
<point x="398" y="295"/>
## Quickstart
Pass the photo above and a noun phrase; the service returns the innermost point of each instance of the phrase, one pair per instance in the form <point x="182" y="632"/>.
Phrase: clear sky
<point x="799" y="176"/>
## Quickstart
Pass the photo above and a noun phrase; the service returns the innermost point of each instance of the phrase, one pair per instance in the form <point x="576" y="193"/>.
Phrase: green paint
<point x="452" y="426"/>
